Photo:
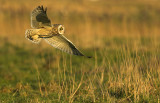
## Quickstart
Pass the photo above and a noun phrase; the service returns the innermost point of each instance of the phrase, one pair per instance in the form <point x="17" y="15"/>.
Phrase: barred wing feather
<point x="62" y="43"/>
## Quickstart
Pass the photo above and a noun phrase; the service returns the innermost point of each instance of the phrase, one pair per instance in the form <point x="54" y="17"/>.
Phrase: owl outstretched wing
<point x="62" y="43"/>
<point x="39" y="18"/>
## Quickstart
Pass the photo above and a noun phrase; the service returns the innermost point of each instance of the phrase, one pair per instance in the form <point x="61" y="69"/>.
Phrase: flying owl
<point x="52" y="34"/>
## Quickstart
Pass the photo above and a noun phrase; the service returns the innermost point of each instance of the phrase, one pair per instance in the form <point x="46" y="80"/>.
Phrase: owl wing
<point x="39" y="18"/>
<point x="62" y="43"/>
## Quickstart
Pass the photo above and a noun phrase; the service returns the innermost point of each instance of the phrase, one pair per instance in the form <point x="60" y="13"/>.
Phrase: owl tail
<point x="31" y="35"/>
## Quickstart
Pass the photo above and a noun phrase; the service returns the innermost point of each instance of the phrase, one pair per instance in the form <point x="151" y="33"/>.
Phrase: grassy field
<point x="122" y="36"/>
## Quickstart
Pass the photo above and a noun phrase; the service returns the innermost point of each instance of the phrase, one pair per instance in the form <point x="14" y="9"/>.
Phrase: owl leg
<point x="45" y="36"/>
<point x="29" y="34"/>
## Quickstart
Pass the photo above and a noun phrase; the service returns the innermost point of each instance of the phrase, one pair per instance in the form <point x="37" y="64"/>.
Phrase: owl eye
<point x="61" y="28"/>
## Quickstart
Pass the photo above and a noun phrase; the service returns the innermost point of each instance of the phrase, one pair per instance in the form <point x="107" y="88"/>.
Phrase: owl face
<point x="58" y="28"/>
<point x="61" y="29"/>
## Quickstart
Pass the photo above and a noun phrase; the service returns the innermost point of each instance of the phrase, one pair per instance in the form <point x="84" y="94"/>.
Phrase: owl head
<point x="58" y="28"/>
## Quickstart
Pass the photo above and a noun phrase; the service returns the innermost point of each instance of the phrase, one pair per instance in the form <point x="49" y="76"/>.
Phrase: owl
<point x="51" y="33"/>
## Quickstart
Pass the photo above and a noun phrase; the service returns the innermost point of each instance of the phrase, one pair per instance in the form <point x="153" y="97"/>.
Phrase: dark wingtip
<point x="45" y="10"/>
<point x="89" y="57"/>
<point x="40" y="7"/>
<point x="85" y="55"/>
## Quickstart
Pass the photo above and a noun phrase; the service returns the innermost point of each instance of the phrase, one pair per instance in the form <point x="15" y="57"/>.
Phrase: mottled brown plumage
<point x="52" y="34"/>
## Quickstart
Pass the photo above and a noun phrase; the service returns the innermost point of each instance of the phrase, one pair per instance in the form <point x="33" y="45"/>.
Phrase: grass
<point x="127" y="70"/>
<point x="122" y="36"/>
